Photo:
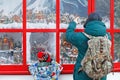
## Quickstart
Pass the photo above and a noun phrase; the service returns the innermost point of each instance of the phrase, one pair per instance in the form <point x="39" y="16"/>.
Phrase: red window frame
<point x="68" y="68"/>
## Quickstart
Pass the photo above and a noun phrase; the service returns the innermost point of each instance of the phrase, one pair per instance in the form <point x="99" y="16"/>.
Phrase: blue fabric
<point x="50" y="72"/>
<point x="78" y="39"/>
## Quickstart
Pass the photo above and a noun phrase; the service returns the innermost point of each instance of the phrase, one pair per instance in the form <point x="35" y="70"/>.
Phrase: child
<point x="45" y="68"/>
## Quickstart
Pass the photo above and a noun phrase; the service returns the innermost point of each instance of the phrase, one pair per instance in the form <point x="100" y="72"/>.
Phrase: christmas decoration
<point x="68" y="51"/>
<point x="10" y="53"/>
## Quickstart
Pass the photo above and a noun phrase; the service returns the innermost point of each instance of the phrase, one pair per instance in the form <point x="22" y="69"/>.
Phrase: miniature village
<point x="40" y="16"/>
<point x="68" y="52"/>
<point x="10" y="50"/>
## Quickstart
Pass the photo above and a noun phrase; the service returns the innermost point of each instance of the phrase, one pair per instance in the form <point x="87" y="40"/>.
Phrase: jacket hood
<point x="95" y="28"/>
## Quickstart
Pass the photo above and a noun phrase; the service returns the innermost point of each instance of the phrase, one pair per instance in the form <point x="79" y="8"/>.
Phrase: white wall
<point x="111" y="76"/>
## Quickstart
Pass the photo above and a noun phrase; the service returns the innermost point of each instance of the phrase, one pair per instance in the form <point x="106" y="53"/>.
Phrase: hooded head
<point x="42" y="56"/>
<point x="94" y="25"/>
<point x="92" y="17"/>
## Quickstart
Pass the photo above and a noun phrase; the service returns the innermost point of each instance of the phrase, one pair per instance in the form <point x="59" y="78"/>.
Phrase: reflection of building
<point x="10" y="50"/>
<point x="16" y="18"/>
<point x="3" y="19"/>
<point x="6" y="19"/>
<point x="66" y="18"/>
<point x="40" y="16"/>
<point x="29" y="15"/>
<point x="6" y="44"/>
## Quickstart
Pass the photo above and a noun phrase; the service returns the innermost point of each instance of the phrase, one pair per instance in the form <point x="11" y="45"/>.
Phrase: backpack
<point x="97" y="61"/>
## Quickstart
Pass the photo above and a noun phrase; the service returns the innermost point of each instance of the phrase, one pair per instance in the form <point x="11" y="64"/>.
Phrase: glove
<point x="77" y="20"/>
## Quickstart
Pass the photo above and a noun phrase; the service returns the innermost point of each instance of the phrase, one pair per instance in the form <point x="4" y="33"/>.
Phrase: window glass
<point x="69" y="9"/>
<point x="10" y="48"/>
<point x="37" y="42"/>
<point x="10" y="14"/>
<point x="41" y="14"/>
<point x="103" y="8"/>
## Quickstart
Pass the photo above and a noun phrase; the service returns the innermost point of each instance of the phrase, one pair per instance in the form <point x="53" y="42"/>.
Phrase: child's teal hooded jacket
<point x="78" y="39"/>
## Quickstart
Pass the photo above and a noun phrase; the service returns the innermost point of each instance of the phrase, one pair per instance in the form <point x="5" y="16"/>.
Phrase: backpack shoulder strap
<point x="90" y="36"/>
<point x="87" y="35"/>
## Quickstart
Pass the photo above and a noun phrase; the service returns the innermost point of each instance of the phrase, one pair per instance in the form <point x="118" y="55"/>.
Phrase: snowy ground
<point x="11" y="26"/>
<point x="41" y="25"/>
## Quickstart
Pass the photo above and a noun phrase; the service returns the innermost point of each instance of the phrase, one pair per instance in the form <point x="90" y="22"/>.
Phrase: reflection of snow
<point x="41" y="25"/>
<point x="6" y="57"/>
<point x="3" y="60"/>
<point x="12" y="25"/>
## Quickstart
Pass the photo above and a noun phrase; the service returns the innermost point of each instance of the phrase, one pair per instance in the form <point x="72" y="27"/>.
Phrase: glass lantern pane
<point x="103" y="8"/>
<point x="10" y="14"/>
<point x="10" y="48"/>
<point x="117" y="13"/>
<point x="117" y="47"/>
<point x="68" y="52"/>
<point x="36" y="42"/>
<point x="41" y="14"/>
<point x="69" y="9"/>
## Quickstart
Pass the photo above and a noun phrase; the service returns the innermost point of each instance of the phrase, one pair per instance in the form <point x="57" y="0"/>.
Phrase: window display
<point x="37" y="42"/>
<point x="70" y="9"/>
<point x="68" y="52"/>
<point x="10" y="14"/>
<point x="10" y="48"/>
<point x="116" y="47"/>
<point x="41" y="14"/>
<point x="117" y="13"/>
<point x="30" y="26"/>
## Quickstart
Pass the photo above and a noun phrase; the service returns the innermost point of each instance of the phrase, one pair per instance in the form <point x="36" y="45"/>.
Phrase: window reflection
<point x="68" y="52"/>
<point x="37" y="42"/>
<point x="117" y="47"/>
<point x="11" y="14"/>
<point x="117" y="13"/>
<point x="10" y="48"/>
<point x="103" y="8"/>
<point x="41" y="14"/>
<point x="69" y="9"/>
